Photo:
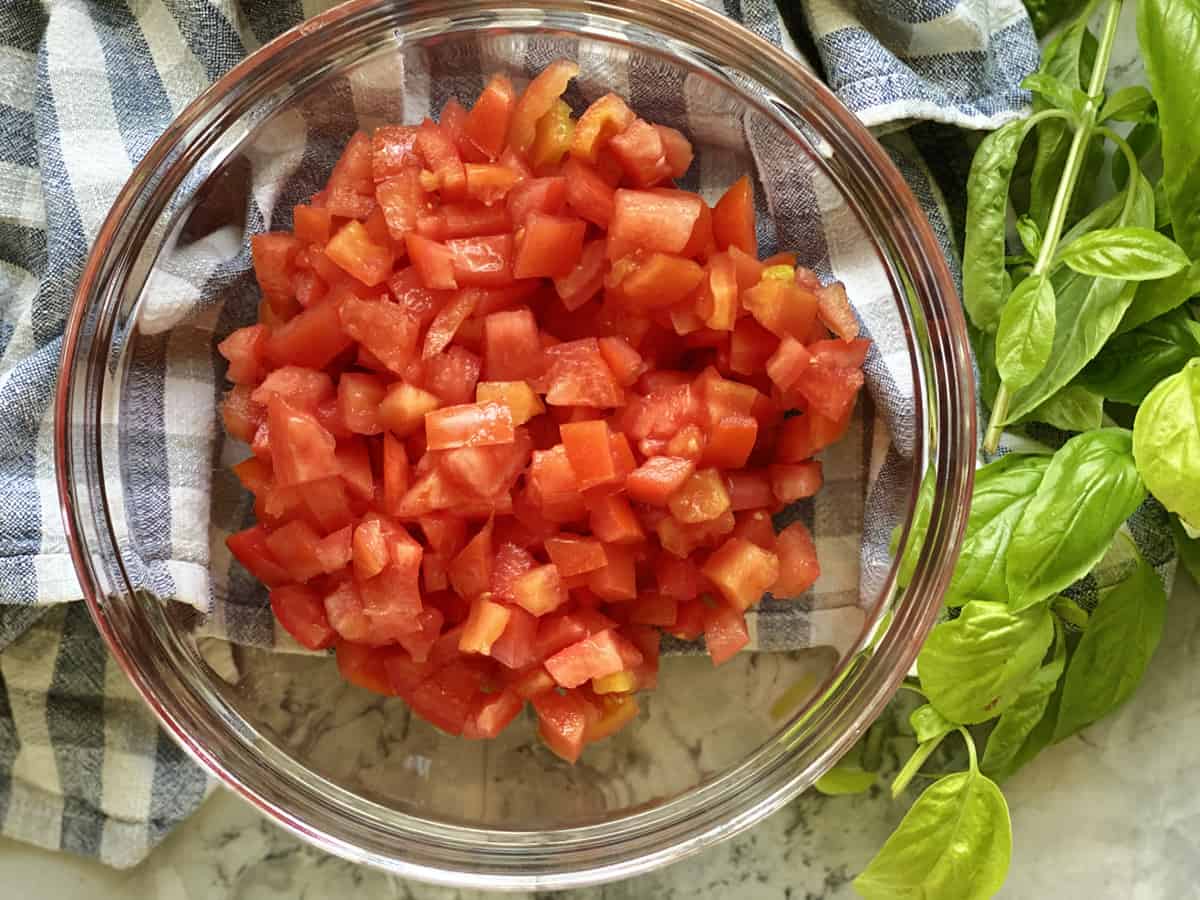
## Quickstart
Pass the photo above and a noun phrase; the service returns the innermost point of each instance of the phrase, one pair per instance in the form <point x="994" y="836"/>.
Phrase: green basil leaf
<point x="987" y="211"/>
<point x="1026" y="332"/>
<point x="1111" y="658"/>
<point x="984" y="345"/>
<point x="1135" y="254"/>
<point x="1045" y="14"/>
<point x="1154" y="298"/>
<point x="1002" y="490"/>
<point x="1011" y="735"/>
<point x="972" y="668"/>
<point x="1030" y="235"/>
<point x="927" y="723"/>
<point x="1162" y="206"/>
<point x="1131" y="364"/>
<point x="955" y="843"/>
<point x="1063" y="59"/>
<point x="849" y="779"/>
<point x="1169" y="36"/>
<point x="1056" y="92"/>
<point x="1188" y="549"/>
<point x="1129" y="104"/>
<point x="1087" y="312"/>
<point x="1166" y="442"/>
<point x="1090" y="488"/>
<point x="1074" y="408"/>
<point x="1142" y="139"/>
<point x="917" y="532"/>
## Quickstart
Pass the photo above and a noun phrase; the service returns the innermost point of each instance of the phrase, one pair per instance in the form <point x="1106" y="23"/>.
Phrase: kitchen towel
<point x="85" y="88"/>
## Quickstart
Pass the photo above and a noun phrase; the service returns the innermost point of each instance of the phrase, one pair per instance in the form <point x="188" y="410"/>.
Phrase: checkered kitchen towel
<point x="85" y="88"/>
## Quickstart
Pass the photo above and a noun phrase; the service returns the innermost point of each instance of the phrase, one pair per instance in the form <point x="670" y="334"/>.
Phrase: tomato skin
<point x="587" y="194"/>
<point x="482" y="261"/>
<point x="639" y="149"/>
<point x="538" y="99"/>
<point x="300" y="612"/>
<point x="606" y="117"/>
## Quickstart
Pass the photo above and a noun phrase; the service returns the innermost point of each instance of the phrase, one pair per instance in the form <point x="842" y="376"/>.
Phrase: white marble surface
<point x="1112" y="813"/>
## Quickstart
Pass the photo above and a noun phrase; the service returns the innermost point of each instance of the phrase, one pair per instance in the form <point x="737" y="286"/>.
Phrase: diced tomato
<point x="577" y="375"/>
<point x="782" y="308"/>
<point x="492" y="713"/>
<point x="719" y="298"/>
<point x="250" y="548"/>
<point x="655" y="281"/>
<point x="540" y="590"/>
<point x="677" y="149"/>
<point x="562" y="721"/>
<point x="587" y="448"/>
<point x="382" y="327"/>
<point x="725" y="633"/>
<point x="677" y="578"/>
<point x="611" y="519"/>
<point x="652" y="221"/>
<point x="742" y="572"/>
<point x="352" y="182"/>
<point x="440" y="153"/>
<point x="489" y="183"/>
<point x="452" y="375"/>
<point x="575" y="555"/>
<point x="798" y="566"/>
<point x="312" y="338"/>
<point x="403" y="409"/>
<point x="311" y="224"/>
<point x="700" y="498"/>
<point x="363" y="666"/>
<point x="446" y="698"/>
<point x="552" y="137"/>
<point x="733" y="218"/>
<point x="657" y="478"/>
<point x="584" y="281"/>
<point x="654" y="608"/>
<point x="596" y="656"/>
<point x="433" y="261"/>
<point x="544" y="195"/>
<point x="358" y="398"/>
<point x="551" y="246"/>
<point x="518" y="396"/>
<point x="682" y="539"/>
<point x="750" y="347"/>
<point x="795" y="482"/>
<point x="606" y="117"/>
<point x="842" y="354"/>
<point x="417" y="301"/>
<point x="625" y="362"/>
<point x="639" y="149"/>
<point x="354" y="252"/>
<point x="616" y="580"/>
<point x="245" y="349"/>
<point x="830" y="392"/>
<point x="302" y="615"/>
<point x="273" y="254"/>
<point x="447" y="322"/>
<point x="393" y="150"/>
<point x="301" y="450"/>
<point x="487" y="124"/>
<point x="482" y="261"/>
<point x="485" y="623"/>
<point x="489" y="471"/>
<point x="328" y="502"/>
<point x="471" y="570"/>
<point x="730" y="441"/>
<point x="511" y="348"/>
<point x="538" y="99"/>
<point x="588" y="195"/>
<point x="469" y="425"/>
<point x="749" y="489"/>
<point x="515" y="646"/>
<point x="755" y="525"/>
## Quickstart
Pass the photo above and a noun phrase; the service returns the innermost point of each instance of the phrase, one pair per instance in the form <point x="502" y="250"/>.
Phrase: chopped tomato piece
<point x="251" y="550"/>
<point x="552" y="137"/>
<point x="575" y="555"/>
<point x="798" y="566"/>
<point x="587" y="447"/>
<point x="469" y="425"/>
<point x="782" y="308"/>
<point x="485" y="623"/>
<point x="577" y="375"/>
<point x="742" y="572"/>
<point x="518" y="396"/>
<point x="459" y="220"/>
<point x="302" y="615"/>
<point x="701" y="498"/>
<point x="725" y="633"/>
<point x="489" y="183"/>
<point x="452" y="375"/>
<point x="381" y="327"/>
<point x="511" y="348"/>
<point x="596" y="656"/>
<point x="795" y="482"/>
<point x="482" y="261"/>
<point x="539" y="590"/>
<point x="584" y="281"/>
<point x="471" y="570"/>
<point x="438" y="149"/>
<point x="404" y="408"/>
<point x="611" y="519"/>
<point x="312" y="338"/>
<point x="273" y="254"/>
<point x="655" y="281"/>
<point x="562" y="722"/>
<point x="803" y="436"/>
<point x="353" y="251"/>
<point x="393" y="150"/>
<point x="245" y="349"/>
<point x="301" y="450"/>
<point x="544" y="195"/>
<point x="358" y="398"/>
<point x="677" y="149"/>
<point x="433" y="261"/>
<point x="616" y="580"/>
<point x="447" y="322"/>
<point x="492" y="713"/>
<point x="657" y="478"/>
<point x="749" y="489"/>
<point x="587" y="193"/>
<point x="639" y="149"/>
<point x="731" y="441"/>
<point x="551" y="246"/>
<point x="652" y="221"/>
<point x="311" y="224"/>
<point x="733" y="218"/>
<point x="538" y="99"/>
<point x="625" y="362"/>
<point x="486" y="125"/>
<point x="605" y="118"/>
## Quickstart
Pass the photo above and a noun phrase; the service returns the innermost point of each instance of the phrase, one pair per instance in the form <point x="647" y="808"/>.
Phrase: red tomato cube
<point x="742" y="572"/>
<point x="562" y="721"/>
<point x="551" y="246"/>
<point x="485" y="623"/>
<point x="539" y="591"/>
<point x="652" y="221"/>
<point x="302" y="615"/>
<point x="469" y="425"/>
<point x="487" y="124"/>
<point x="725" y="633"/>
<point x="537" y="100"/>
<point x="657" y="478"/>
<point x="733" y="218"/>
<point x="701" y="498"/>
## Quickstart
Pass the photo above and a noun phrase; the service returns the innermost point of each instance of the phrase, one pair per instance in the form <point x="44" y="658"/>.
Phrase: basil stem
<point x="1084" y="130"/>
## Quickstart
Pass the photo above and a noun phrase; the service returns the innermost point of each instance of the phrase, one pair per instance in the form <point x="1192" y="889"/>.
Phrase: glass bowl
<point x="147" y="496"/>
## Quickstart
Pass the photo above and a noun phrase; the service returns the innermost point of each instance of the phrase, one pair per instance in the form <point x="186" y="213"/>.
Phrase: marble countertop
<point x="1111" y="813"/>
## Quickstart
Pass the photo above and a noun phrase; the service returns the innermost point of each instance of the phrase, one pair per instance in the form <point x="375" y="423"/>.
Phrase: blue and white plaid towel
<point x="85" y="88"/>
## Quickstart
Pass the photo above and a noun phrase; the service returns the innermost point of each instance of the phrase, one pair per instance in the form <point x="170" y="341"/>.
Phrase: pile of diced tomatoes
<point x="518" y="406"/>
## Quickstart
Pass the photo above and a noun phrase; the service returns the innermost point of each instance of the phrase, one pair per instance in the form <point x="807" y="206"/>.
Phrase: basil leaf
<point x="1062" y="59"/>
<point x="1074" y="408"/>
<point x="1131" y="364"/>
<point x="972" y="668"/>
<point x="1188" y="549"/>
<point x="927" y="723"/>
<point x="1089" y="489"/>
<point x="1135" y="254"/>
<point x="1045" y="14"/>
<point x="1002" y="490"/>
<point x="1087" y="312"/>
<point x="917" y="532"/>
<point x="1026" y="332"/>
<point x="1003" y="752"/>
<point x="848" y="779"/>
<point x="1153" y="298"/>
<point x="1056" y="92"/>
<point x="1030" y="235"/>
<point x="1169" y="36"/>
<point x="1129" y="104"/>
<point x="1111" y="658"/>
<point x="987" y="211"/>
<point x="955" y="843"/>
<point x="1166" y="442"/>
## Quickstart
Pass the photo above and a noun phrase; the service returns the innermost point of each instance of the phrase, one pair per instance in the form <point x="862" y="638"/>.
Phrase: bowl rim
<point x="948" y="521"/>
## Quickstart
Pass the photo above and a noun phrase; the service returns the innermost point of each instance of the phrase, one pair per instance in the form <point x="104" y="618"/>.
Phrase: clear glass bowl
<point x="714" y="751"/>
